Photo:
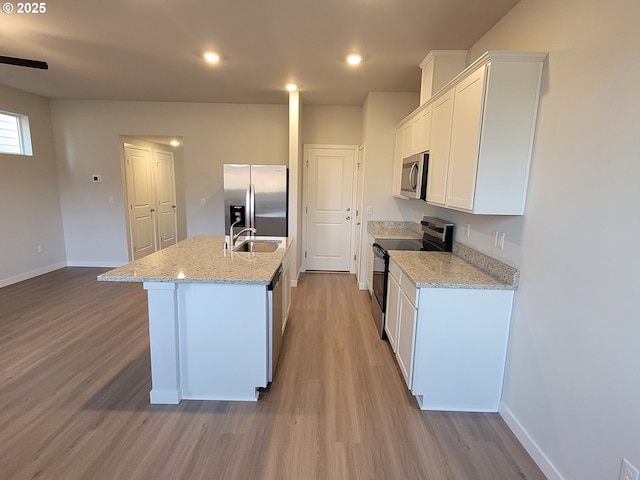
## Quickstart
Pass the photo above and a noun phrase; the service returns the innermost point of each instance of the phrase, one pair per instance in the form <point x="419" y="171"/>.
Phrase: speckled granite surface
<point x="201" y="259"/>
<point x="444" y="270"/>
<point x="466" y="268"/>
<point x="390" y="229"/>
<point x="493" y="267"/>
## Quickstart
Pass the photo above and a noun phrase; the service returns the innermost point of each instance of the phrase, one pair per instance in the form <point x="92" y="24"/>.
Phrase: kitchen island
<point x="209" y="322"/>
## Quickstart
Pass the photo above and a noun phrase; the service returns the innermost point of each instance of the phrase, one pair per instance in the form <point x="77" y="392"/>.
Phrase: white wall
<point x="29" y="201"/>
<point x="86" y="137"/>
<point x="381" y="112"/>
<point x="326" y="124"/>
<point x="572" y="387"/>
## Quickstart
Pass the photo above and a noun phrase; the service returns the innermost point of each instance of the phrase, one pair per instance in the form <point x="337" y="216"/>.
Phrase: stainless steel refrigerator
<point x="256" y="195"/>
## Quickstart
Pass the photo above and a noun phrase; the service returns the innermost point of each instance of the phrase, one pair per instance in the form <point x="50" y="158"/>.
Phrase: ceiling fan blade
<point x="23" y="62"/>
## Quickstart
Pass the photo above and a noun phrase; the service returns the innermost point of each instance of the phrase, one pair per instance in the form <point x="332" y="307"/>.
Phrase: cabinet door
<point x="369" y="272"/>
<point x="465" y="141"/>
<point x="407" y="139"/>
<point x="406" y="336"/>
<point x="439" y="150"/>
<point x="286" y="292"/>
<point x="391" y="320"/>
<point x="422" y="130"/>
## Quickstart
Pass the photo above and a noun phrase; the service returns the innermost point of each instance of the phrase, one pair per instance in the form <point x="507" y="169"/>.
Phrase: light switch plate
<point x="628" y="471"/>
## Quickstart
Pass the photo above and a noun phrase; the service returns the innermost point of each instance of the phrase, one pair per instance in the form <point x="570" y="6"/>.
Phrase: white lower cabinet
<point x="406" y="335"/>
<point x="391" y="317"/>
<point x="369" y="264"/>
<point x="286" y="290"/>
<point x="450" y="343"/>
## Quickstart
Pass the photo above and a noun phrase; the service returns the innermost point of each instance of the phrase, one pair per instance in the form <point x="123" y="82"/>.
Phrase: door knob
<point x="348" y="209"/>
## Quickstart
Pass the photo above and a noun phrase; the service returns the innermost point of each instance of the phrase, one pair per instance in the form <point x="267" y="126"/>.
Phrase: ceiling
<point x="151" y="50"/>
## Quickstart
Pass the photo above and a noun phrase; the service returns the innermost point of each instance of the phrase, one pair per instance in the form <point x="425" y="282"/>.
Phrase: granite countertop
<point x="445" y="270"/>
<point x="463" y="268"/>
<point x="201" y="259"/>
<point x="393" y="230"/>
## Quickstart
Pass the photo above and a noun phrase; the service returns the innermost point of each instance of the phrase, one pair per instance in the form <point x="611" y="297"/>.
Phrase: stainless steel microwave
<point x="414" y="176"/>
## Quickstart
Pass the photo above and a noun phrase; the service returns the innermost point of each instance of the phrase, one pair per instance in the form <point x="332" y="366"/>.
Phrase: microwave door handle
<point x="413" y="176"/>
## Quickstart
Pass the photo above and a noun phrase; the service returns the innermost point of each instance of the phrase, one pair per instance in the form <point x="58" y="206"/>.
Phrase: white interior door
<point x="166" y="199"/>
<point x="329" y="201"/>
<point x="140" y="199"/>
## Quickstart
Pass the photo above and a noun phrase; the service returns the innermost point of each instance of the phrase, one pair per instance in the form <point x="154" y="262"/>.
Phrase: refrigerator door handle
<point x="251" y="203"/>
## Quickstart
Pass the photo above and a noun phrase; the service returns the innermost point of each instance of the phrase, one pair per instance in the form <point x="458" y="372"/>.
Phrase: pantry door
<point x="329" y="201"/>
<point x="140" y="199"/>
<point x="166" y="199"/>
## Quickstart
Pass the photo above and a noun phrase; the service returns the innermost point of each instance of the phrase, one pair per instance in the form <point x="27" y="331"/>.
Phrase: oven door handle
<point x="378" y="251"/>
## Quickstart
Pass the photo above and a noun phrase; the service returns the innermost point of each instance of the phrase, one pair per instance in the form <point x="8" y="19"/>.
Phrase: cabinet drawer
<point x="395" y="271"/>
<point x="409" y="289"/>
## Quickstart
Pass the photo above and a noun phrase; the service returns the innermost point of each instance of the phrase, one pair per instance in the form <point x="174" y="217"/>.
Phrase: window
<point x="15" y="136"/>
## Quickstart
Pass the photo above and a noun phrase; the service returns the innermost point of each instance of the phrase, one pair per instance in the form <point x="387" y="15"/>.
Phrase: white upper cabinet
<point x="407" y="139"/>
<point x="439" y="151"/>
<point x="487" y="149"/>
<point x="421" y="139"/>
<point x="479" y="130"/>
<point x="465" y="138"/>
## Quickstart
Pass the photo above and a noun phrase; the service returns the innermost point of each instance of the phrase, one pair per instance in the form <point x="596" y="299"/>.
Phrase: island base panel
<point x="164" y="397"/>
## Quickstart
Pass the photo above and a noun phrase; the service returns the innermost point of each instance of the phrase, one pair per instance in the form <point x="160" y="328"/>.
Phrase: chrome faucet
<point x="234" y="236"/>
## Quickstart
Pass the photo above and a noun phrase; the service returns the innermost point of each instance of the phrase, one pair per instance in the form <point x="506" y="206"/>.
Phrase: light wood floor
<point x="75" y="381"/>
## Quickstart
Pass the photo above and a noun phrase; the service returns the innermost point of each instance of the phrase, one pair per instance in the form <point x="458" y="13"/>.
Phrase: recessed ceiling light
<point x="211" y="57"/>
<point x="174" y="143"/>
<point x="291" y="87"/>
<point x="354" y="59"/>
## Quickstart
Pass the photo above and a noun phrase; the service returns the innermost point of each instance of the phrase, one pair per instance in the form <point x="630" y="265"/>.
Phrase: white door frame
<point x="359" y="181"/>
<point x="354" y="199"/>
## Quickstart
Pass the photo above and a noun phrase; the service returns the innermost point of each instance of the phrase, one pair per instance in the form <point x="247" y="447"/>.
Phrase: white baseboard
<point x="113" y="264"/>
<point x="529" y="444"/>
<point x="33" y="273"/>
<point x="363" y="286"/>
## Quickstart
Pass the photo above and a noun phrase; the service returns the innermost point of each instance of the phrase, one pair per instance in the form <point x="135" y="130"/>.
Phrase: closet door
<point x="140" y="200"/>
<point x="166" y="199"/>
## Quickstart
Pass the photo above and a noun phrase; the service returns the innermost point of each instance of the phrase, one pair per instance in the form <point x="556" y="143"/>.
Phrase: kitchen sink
<point x="258" y="246"/>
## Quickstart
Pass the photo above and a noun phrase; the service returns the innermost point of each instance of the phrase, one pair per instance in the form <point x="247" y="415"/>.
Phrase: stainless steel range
<point x="437" y="236"/>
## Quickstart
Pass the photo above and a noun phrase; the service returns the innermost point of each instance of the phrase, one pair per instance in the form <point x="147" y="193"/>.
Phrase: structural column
<point x="163" y="340"/>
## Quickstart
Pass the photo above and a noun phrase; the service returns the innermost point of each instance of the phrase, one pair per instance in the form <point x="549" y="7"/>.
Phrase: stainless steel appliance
<point x="274" y="295"/>
<point x="256" y="196"/>
<point x="413" y="183"/>
<point x="437" y="236"/>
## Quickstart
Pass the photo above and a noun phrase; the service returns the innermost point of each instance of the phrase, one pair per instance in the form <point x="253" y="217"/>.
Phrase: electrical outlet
<point x="628" y="471"/>
<point x="500" y="240"/>
<point x="467" y="230"/>
<point x="40" y="248"/>
<point x="494" y="238"/>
